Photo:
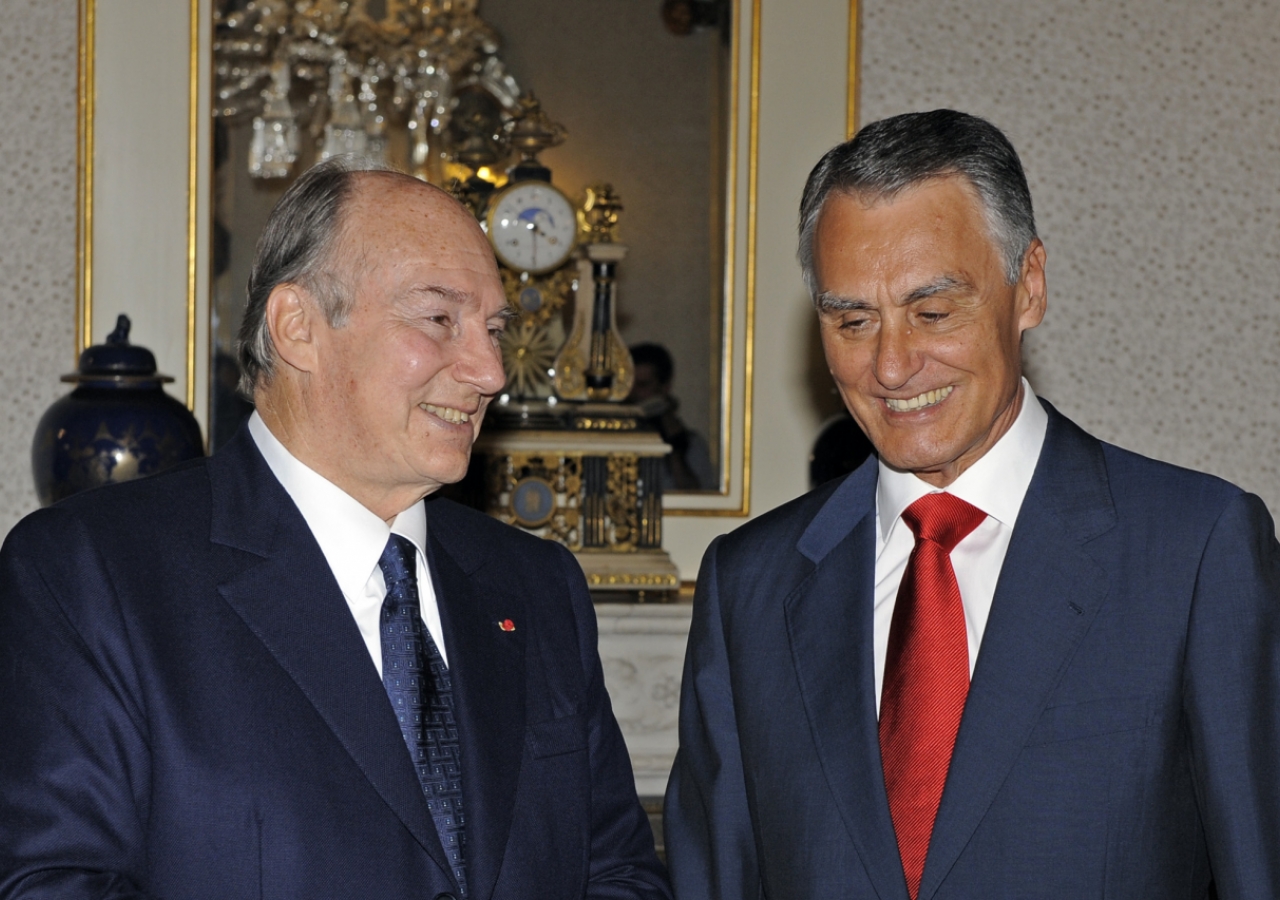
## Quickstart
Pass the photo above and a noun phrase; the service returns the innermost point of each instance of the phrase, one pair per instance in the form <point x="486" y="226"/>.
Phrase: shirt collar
<point x="350" y="535"/>
<point x="996" y="483"/>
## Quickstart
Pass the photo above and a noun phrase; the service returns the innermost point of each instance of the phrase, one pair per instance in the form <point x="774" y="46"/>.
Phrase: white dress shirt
<point x="352" y="539"/>
<point x="995" y="484"/>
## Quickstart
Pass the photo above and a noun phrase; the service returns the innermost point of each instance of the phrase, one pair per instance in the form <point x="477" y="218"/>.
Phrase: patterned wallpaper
<point x="37" y="230"/>
<point x="1150" y="132"/>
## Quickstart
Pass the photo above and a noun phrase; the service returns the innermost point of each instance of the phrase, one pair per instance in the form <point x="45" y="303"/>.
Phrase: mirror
<point x="646" y="93"/>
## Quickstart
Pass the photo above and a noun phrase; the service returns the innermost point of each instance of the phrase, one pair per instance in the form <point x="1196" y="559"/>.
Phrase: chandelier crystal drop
<point x="334" y="77"/>
<point x="274" y="147"/>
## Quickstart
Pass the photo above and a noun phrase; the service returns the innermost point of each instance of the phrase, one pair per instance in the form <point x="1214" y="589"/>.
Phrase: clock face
<point x="532" y="227"/>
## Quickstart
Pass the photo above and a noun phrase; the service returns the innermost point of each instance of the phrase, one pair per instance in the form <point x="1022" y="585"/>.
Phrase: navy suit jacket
<point x="1121" y="737"/>
<point x="187" y="709"/>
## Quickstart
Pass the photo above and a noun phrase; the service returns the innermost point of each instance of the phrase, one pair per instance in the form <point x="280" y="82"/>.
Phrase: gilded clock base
<point x="590" y="481"/>
<point x="645" y="577"/>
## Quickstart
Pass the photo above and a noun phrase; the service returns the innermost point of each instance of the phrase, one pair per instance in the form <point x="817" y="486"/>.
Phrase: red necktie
<point x="926" y="675"/>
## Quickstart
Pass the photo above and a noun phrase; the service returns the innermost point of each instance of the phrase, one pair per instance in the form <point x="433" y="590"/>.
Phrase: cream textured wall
<point x="1150" y="132"/>
<point x="37" y="230"/>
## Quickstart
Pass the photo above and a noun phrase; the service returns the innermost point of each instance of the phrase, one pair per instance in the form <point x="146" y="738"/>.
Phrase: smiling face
<point x="922" y="332"/>
<point x="389" y="402"/>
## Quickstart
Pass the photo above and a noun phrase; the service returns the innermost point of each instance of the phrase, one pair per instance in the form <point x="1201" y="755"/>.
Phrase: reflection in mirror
<point x="642" y="90"/>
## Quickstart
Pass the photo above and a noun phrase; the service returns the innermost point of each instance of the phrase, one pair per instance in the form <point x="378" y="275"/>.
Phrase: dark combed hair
<point x="897" y="153"/>
<point x="298" y="246"/>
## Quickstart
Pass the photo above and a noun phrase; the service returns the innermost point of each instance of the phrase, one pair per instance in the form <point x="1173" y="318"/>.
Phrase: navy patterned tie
<point x="421" y="692"/>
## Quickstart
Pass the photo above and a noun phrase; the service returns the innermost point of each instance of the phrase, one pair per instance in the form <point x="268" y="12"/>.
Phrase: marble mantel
<point x="642" y="649"/>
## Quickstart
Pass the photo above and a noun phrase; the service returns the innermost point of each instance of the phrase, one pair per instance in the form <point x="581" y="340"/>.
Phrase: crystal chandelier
<point x="339" y="74"/>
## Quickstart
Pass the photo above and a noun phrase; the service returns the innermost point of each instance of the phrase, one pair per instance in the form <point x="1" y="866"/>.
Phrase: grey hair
<point x="889" y="156"/>
<point x="299" y="246"/>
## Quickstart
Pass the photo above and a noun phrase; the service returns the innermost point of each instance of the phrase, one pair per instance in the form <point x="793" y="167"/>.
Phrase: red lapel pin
<point x="507" y="625"/>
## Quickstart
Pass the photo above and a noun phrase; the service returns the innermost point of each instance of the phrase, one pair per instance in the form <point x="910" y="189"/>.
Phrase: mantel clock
<point x="562" y="455"/>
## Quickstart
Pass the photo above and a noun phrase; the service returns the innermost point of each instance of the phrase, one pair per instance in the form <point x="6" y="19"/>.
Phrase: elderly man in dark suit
<point x="280" y="673"/>
<point x="1004" y="659"/>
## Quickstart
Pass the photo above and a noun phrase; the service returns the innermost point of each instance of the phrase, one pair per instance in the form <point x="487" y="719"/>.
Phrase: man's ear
<point x="1032" y="290"/>
<point x="292" y="319"/>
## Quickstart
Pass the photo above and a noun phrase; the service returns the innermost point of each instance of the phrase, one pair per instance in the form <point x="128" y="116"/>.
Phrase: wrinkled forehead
<point x="928" y="237"/>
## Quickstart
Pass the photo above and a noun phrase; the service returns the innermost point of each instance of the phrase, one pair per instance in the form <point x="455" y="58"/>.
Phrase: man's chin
<point x="918" y="461"/>
<point x="458" y="472"/>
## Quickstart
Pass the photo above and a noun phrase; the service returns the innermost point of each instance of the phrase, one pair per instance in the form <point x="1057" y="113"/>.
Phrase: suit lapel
<point x="488" y="666"/>
<point x="290" y="601"/>
<point x="1049" y="591"/>
<point x="829" y="625"/>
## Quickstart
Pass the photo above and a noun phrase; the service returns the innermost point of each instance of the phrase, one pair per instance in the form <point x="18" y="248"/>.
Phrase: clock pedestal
<point x="593" y="484"/>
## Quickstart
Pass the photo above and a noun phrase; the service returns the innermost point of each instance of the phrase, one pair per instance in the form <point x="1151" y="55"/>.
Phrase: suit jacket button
<point x="445" y="896"/>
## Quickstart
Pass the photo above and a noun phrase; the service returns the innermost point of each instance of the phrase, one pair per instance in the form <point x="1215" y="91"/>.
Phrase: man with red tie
<point x="1002" y="659"/>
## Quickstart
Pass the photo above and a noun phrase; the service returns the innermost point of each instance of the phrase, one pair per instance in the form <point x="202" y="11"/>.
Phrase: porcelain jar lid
<point x="118" y="361"/>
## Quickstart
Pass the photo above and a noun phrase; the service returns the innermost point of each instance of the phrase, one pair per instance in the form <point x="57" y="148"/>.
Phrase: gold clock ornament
<point x="532" y="226"/>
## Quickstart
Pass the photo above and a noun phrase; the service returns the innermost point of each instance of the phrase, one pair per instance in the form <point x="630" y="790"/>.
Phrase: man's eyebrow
<point x="444" y="291"/>
<point x="831" y="302"/>
<point x="827" y="301"/>
<point x="939" y="285"/>
<point x="453" y="295"/>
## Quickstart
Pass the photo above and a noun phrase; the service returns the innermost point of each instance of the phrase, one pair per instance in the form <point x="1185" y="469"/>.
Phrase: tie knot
<point x="398" y="562"/>
<point x="944" y="519"/>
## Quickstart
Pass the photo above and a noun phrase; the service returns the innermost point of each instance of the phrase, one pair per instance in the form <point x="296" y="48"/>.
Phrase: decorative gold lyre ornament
<point x="594" y="363"/>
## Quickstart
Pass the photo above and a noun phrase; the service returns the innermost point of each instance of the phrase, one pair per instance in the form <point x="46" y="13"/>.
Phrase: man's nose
<point x="480" y="363"/>
<point x="896" y="358"/>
